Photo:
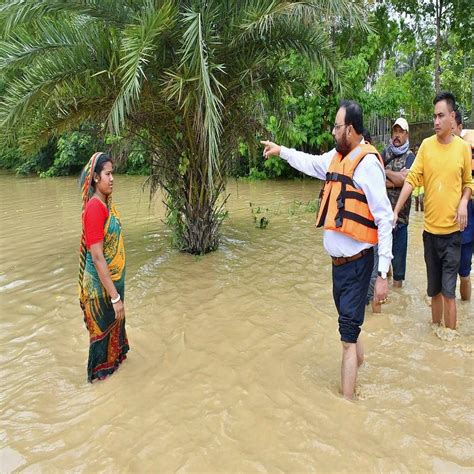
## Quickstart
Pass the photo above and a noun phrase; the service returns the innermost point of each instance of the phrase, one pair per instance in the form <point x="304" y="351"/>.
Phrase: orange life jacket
<point x="343" y="207"/>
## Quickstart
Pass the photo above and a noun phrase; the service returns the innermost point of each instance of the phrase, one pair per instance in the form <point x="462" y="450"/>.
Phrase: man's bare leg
<point x="376" y="307"/>
<point x="348" y="369"/>
<point x="465" y="288"/>
<point x="360" y="353"/>
<point x="397" y="283"/>
<point x="437" y="308"/>
<point x="449" y="312"/>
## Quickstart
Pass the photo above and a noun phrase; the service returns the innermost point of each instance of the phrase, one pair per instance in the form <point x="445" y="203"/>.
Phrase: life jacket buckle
<point x="331" y="176"/>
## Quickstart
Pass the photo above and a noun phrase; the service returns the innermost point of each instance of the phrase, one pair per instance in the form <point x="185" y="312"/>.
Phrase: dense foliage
<point x="184" y="90"/>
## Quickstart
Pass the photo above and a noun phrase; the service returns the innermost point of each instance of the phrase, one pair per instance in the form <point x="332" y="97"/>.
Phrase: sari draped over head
<point x="108" y="338"/>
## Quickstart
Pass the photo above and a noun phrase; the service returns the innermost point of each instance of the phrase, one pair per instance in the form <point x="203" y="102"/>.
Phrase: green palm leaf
<point x="139" y="44"/>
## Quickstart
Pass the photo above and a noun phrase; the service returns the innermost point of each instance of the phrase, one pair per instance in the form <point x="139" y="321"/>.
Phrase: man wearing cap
<point x="398" y="159"/>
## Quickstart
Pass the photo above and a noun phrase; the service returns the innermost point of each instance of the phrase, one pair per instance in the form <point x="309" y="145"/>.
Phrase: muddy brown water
<point x="235" y="356"/>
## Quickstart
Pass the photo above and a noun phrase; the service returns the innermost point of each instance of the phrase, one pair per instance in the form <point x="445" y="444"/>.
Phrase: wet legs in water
<point x="437" y="303"/>
<point x="464" y="271"/>
<point x="465" y="288"/>
<point x="352" y="359"/>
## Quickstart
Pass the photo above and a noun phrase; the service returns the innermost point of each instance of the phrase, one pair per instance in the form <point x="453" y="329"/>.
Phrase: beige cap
<point x="402" y="123"/>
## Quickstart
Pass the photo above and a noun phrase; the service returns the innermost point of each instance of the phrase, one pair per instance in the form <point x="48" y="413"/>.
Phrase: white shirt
<point x="368" y="176"/>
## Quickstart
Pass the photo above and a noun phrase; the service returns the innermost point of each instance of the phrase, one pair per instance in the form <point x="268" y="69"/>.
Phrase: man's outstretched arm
<point x="312" y="165"/>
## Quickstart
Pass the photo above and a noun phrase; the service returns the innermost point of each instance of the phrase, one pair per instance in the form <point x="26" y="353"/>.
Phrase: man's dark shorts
<point x="350" y="283"/>
<point x="442" y="257"/>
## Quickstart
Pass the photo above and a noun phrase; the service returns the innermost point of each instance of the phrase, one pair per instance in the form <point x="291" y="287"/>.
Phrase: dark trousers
<point x="399" y="250"/>
<point x="350" y="283"/>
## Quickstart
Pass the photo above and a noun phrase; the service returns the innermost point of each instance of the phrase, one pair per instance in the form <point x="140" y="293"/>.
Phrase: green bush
<point x="256" y="174"/>
<point x="73" y="151"/>
<point x="138" y="162"/>
<point x="275" y="167"/>
<point x="9" y="158"/>
<point x="38" y="162"/>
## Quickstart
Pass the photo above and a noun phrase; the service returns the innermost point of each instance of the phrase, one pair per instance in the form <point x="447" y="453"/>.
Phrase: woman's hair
<point x="86" y="181"/>
<point x="99" y="165"/>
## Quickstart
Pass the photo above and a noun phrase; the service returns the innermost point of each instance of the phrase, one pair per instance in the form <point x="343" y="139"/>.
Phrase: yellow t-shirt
<point x="444" y="170"/>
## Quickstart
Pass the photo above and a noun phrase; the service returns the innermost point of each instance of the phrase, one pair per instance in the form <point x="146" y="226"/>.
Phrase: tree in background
<point x="449" y="17"/>
<point x="181" y="76"/>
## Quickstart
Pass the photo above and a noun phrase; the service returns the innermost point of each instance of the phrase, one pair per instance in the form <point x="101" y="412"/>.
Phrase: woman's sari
<point x="108" y="339"/>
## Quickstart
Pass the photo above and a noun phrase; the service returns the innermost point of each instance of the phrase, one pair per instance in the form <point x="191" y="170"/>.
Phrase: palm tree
<point x="187" y="77"/>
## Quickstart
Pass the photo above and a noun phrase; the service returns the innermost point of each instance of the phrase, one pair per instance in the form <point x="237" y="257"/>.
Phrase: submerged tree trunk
<point x="200" y="229"/>
<point x="194" y="212"/>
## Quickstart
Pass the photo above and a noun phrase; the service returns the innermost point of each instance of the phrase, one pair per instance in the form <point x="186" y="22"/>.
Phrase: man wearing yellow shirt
<point x="443" y="164"/>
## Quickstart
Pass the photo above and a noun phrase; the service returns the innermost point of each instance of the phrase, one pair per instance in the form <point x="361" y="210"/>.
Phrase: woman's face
<point x="105" y="179"/>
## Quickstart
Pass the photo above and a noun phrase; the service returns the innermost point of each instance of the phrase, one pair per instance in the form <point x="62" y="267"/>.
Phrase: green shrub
<point x="9" y="158"/>
<point x="73" y="151"/>
<point x="256" y="174"/>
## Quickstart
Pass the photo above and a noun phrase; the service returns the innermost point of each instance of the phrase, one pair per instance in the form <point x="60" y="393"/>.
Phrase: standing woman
<point x="102" y="270"/>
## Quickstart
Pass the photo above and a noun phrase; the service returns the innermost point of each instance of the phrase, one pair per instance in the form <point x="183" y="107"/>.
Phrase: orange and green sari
<point x="108" y="338"/>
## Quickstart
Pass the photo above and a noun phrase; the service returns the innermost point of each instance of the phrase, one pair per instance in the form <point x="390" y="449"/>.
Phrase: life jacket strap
<point x="355" y="217"/>
<point x="339" y="177"/>
<point x="357" y="196"/>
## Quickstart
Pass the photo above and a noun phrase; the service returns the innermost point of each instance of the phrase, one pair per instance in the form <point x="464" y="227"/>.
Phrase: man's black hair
<point x="367" y="136"/>
<point x="354" y="115"/>
<point x="458" y="117"/>
<point x="448" y="97"/>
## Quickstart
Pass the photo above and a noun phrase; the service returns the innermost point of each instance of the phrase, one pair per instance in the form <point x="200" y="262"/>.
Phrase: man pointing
<point x="356" y="214"/>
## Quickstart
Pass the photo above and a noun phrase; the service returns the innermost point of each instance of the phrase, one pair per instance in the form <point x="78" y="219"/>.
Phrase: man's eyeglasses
<point x="336" y="126"/>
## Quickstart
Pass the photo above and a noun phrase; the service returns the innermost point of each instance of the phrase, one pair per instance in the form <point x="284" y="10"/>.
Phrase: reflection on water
<point x="234" y="361"/>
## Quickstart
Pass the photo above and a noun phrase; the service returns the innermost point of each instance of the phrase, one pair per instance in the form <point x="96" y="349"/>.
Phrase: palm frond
<point x="139" y="44"/>
<point x="347" y="12"/>
<point x="24" y="46"/>
<point x="258" y="18"/>
<point x="289" y="31"/>
<point x="197" y="47"/>
<point x="21" y="12"/>
<point x="39" y="82"/>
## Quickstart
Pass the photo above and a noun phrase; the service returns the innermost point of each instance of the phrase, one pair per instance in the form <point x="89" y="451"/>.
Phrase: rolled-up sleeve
<point x="312" y="165"/>
<point x="415" y="175"/>
<point x="467" y="181"/>
<point x="370" y="176"/>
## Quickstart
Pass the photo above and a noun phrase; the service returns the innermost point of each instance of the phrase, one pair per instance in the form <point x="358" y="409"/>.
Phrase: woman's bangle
<point x="115" y="300"/>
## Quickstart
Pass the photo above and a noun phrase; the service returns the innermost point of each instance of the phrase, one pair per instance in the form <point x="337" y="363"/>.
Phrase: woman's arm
<point x="97" y="253"/>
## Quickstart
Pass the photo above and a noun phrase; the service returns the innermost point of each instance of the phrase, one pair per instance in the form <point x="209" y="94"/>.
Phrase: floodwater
<point x="235" y="357"/>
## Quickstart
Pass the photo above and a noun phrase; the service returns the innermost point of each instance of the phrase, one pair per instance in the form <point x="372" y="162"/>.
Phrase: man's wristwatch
<point x="382" y="275"/>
